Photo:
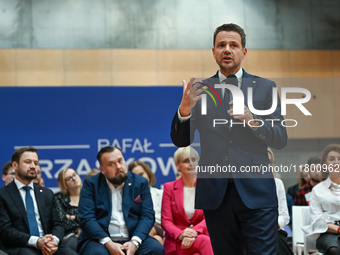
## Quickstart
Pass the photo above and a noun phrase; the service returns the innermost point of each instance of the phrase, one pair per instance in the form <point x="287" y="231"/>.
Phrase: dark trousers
<point x="150" y="246"/>
<point x="284" y="248"/>
<point x="62" y="250"/>
<point x="235" y="229"/>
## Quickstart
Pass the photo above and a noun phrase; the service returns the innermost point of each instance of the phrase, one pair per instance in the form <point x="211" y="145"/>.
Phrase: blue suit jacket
<point x="95" y="208"/>
<point x="237" y="146"/>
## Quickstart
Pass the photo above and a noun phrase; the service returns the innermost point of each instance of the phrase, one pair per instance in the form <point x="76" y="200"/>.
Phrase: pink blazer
<point x="174" y="218"/>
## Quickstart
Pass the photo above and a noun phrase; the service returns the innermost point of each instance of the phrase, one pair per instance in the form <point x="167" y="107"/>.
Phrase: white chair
<point x="298" y="235"/>
<point x="301" y="217"/>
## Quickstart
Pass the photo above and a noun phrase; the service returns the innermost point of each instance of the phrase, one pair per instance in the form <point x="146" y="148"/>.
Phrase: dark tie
<point x="32" y="221"/>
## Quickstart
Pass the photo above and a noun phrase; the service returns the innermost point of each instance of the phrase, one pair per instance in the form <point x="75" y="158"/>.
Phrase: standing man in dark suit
<point x="115" y="210"/>
<point x="29" y="223"/>
<point x="240" y="207"/>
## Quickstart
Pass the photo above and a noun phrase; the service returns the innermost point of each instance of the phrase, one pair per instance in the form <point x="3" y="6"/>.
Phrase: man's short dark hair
<point x="6" y="167"/>
<point x="314" y="160"/>
<point x="17" y="155"/>
<point x="234" y="28"/>
<point x="104" y="150"/>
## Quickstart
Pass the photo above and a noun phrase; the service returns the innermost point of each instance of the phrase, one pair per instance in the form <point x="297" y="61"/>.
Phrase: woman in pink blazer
<point x="185" y="229"/>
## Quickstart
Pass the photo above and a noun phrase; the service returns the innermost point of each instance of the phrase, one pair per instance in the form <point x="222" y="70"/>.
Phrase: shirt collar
<point x="329" y="183"/>
<point x="238" y="75"/>
<point x="20" y="184"/>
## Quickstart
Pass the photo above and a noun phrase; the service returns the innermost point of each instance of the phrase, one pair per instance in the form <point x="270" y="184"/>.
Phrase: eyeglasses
<point x="187" y="160"/>
<point x="71" y="178"/>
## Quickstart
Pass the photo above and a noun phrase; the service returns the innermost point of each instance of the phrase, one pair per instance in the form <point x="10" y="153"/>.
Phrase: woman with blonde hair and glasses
<point x="185" y="228"/>
<point x="67" y="205"/>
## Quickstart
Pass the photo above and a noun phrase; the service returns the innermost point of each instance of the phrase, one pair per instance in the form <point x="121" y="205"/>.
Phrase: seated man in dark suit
<point x="29" y="223"/>
<point x="115" y="210"/>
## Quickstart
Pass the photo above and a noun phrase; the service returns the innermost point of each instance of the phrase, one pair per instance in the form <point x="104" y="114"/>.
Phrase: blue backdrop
<point x="69" y="125"/>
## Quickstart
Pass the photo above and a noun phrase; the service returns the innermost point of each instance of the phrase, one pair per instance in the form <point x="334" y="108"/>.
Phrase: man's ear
<point x="101" y="169"/>
<point x="15" y="165"/>
<point x="245" y="50"/>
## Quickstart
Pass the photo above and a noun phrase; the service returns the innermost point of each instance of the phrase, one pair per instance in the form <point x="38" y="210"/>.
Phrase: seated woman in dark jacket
<point x="67" y="205"/>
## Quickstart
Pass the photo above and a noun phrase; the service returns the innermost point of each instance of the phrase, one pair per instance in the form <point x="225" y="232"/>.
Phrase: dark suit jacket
<point x="95" y="208"/>
<point x="14" y="230"/>
<point x="237" y="146"/>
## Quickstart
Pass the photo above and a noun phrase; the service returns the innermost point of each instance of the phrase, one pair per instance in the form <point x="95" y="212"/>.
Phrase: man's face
<point x="228" y="52"/>
<point x="315" y="172"/>
<point x="26" y="169"/>
<point x="113" y="167"/>
<point x="9" y="177"/>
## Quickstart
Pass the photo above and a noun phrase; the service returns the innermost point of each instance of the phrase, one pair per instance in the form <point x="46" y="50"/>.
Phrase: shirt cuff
<point x="56" y="239"/>
<point x="33" y="241"/>
<point x="136" y="238"/>
<point x="104" y="240"/>
<point x="182" y="119"/>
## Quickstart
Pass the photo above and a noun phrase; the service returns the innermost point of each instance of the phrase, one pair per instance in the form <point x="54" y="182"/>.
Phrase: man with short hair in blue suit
<point x="240" y="207"/>
<point x="115" y="210"/>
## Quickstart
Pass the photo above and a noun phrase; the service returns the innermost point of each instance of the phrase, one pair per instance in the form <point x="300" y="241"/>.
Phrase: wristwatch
<point x="135" y="243"/>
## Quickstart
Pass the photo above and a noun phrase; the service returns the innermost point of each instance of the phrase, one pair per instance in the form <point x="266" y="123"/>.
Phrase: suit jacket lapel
<point x="179" y="197"/>
<point x="197" y="212"/>
<point x="127" y="196"/>
<point x="15" y="194"/>
<point x="40" y="199"/>
<point x="248" y="81"/>
<point x="105" y="190"/>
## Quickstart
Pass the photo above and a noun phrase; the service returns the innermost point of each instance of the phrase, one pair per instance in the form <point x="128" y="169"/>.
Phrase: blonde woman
<point x="185" y="228"/>
<point x="67" y="205"/>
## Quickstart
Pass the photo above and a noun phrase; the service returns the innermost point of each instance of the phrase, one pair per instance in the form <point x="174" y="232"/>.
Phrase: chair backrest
<point x="299" y="219"/>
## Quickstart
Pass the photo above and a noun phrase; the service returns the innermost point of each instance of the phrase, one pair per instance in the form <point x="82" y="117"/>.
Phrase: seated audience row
<point x="112" y="213"/>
